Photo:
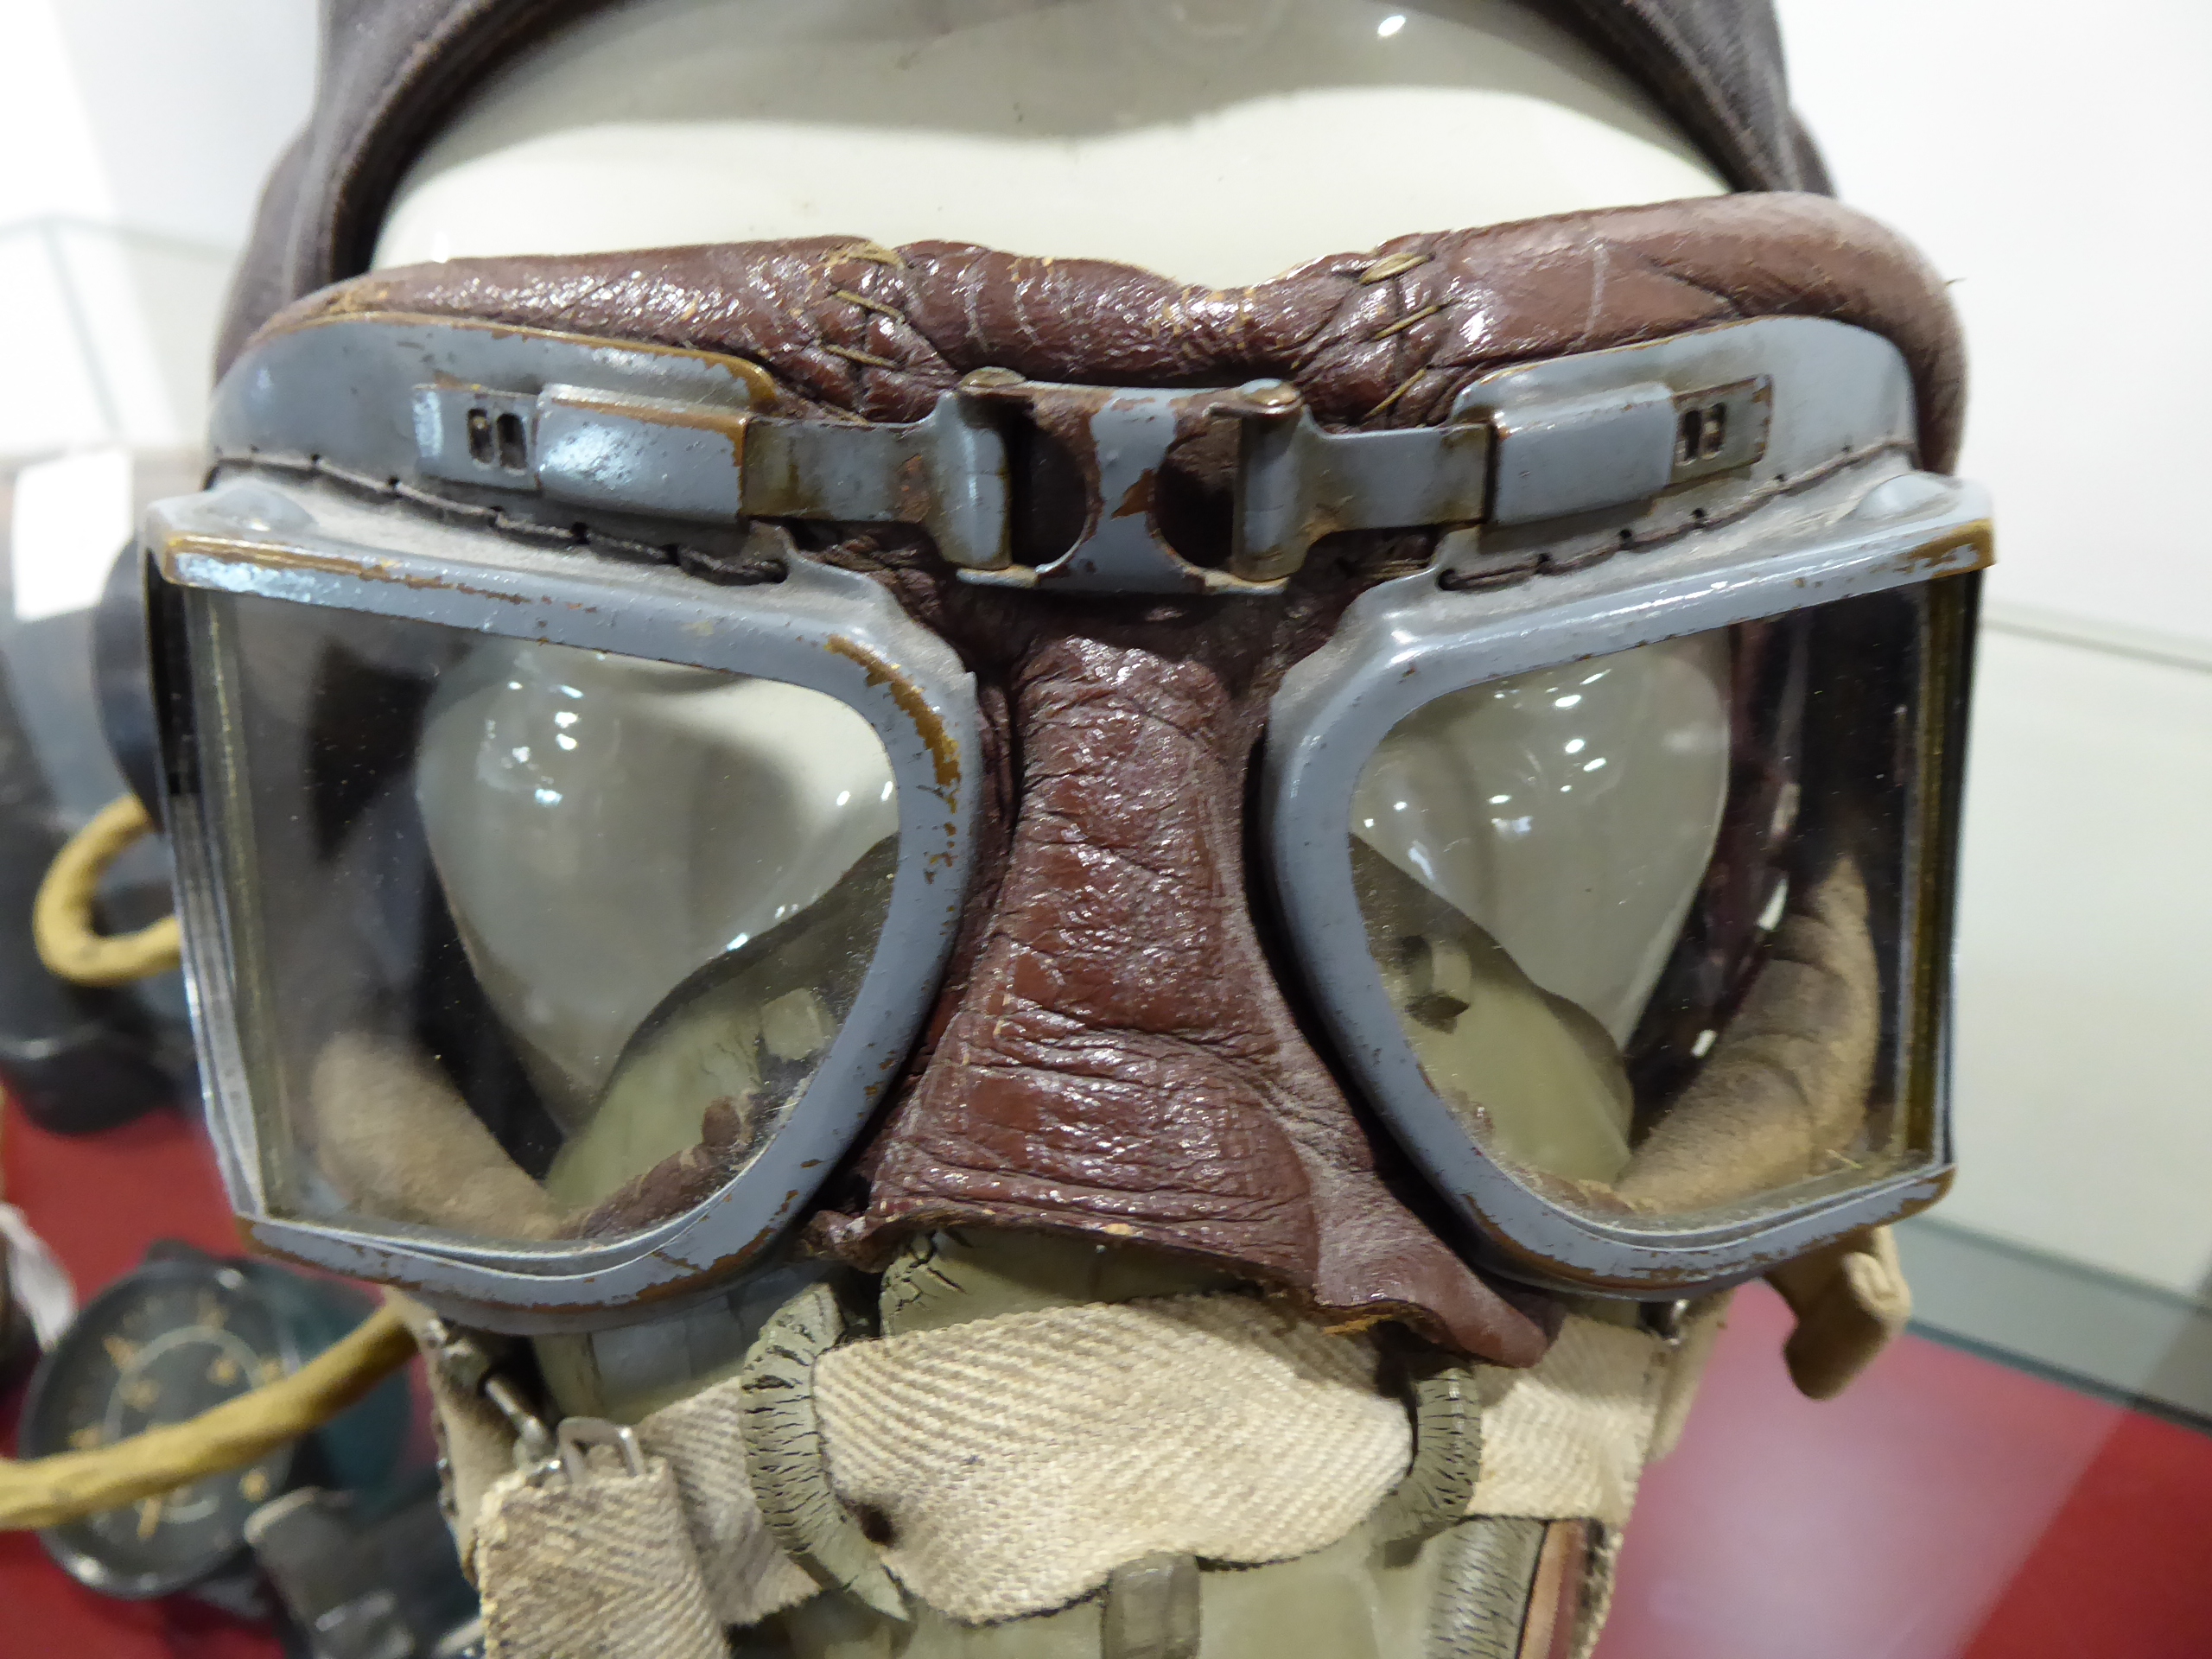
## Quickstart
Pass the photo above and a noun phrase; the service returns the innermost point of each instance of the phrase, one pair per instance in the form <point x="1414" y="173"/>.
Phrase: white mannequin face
<point x="1220" y="142"/>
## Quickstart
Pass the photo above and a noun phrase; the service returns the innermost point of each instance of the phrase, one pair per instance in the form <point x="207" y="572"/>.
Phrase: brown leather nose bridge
<point x="1121" y="1063"/>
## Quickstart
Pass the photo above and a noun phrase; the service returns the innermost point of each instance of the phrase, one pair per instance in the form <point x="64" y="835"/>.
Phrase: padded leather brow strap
<point x="1387" y="337"/>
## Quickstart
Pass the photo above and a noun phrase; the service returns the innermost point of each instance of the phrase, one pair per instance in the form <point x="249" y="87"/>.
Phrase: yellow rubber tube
<point x="69" y="1485"/>
<point x="62" y="916"/>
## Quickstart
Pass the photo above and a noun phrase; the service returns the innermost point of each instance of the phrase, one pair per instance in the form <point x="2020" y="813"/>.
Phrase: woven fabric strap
<point x="1569" y="1438"/>
<point x="653" y="1565"/>
<point x="1017" y="1461"/>
<point x="747" y="1576"/>
<point x="602" y="1566"/>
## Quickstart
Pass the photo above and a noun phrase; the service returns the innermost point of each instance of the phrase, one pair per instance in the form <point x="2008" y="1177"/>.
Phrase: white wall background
<point x="133" y="135"/>
<point x="2054" y="164"/>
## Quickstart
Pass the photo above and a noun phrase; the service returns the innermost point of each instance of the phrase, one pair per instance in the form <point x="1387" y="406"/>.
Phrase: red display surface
<point x="1946" y="1508"/>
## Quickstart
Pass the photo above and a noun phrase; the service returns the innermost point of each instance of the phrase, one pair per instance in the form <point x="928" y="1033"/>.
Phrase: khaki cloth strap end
<point x="1851" y="1302"/>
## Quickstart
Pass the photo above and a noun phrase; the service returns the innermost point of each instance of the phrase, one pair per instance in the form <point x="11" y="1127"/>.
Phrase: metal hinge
<point x="960" y="473"/>
<point x="1560" y="457"/>
<point x="466" y="1367"/>
<point x="952" y="473"/>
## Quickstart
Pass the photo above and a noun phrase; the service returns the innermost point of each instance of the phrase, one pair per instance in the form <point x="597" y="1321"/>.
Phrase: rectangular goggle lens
<point x="1655" y="923"/>
<point x="528" y="942"/>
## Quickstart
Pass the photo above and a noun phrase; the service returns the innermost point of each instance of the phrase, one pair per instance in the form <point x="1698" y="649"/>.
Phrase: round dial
<point x="164" y="1344"/>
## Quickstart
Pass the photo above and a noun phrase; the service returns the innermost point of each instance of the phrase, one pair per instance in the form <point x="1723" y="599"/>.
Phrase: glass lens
<point x="1640" y="916"/>
<point x="530" y="942"/>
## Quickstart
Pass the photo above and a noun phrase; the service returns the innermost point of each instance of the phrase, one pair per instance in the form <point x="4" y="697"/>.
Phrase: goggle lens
<point x="1643" y="917"/>
<point x="550" y="940"/>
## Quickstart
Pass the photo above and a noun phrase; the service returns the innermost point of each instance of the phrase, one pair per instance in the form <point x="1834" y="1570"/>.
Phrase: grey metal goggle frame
<point x="827" y="630"/>
<point x="1832" y="508"/>
<point x="543" y="486"/>
<point x="1407" y="643"/>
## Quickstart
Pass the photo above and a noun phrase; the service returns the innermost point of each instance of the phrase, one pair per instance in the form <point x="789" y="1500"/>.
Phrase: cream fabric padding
<point x="1019" y="1460"/>
<point x="1569" y="1437"/>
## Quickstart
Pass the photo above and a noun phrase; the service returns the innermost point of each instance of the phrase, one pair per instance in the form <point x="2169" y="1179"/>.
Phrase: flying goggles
<point x="568" y="862"/>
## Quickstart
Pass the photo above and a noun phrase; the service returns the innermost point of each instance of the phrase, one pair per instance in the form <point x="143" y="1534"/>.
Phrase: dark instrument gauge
<point x="162" y="1344"/>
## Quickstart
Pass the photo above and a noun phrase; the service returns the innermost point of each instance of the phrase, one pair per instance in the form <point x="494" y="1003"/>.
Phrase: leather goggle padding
<point x="1120" y="1060"/>
<point x="1385" y="337"/>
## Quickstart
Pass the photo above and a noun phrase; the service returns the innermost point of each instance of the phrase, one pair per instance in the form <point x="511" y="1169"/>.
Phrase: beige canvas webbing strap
<point x="592" y="1556"/>
<point x="1019" y="1460"/>
<point x="672" y="1521"/>
<point x="747" y="1575"/>
<point x="994" y="1444"/>
<point x="665" y="1516"/>
<point x="1569" y="1437"/>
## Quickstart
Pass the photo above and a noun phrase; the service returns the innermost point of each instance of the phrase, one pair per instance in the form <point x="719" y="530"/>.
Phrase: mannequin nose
<point x="1122" y="1063"/>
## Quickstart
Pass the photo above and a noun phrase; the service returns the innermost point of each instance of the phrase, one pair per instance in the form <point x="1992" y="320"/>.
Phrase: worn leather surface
<point x="1121" y="1059"/>
<point x="391" y="72"/>
<point x="1115" y="1055"/>
<point x="1387" y="336"/>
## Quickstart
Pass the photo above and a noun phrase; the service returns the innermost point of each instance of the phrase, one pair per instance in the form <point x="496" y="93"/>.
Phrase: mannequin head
<point x="1218" y="143"/>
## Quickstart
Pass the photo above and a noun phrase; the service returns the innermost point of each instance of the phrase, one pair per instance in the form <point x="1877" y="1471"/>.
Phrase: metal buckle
<point x="952" y="473"/>
<point x="1538" y="453"/>
<point x="469" y="1369"/>
<point x="1664" y="1320"/>
<point x="1294" y="481"/>
<point x="577" y="1435"/>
